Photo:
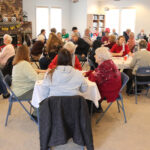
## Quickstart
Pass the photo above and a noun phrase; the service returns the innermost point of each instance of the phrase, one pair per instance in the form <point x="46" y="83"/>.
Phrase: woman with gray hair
<point x="75" y="61"/>
<point x="7" y="52"/>
<point x="106" y="75"/>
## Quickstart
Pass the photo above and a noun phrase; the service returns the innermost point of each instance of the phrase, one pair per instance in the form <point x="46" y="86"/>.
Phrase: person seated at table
<point x="82" y="47"/>
<point x="148" y="45"/>
<point x="63" y="80"/>
<point x="120" y="48"/>
<point x="87" y="37"/>
<point x="7" y="52"/>
<point x="75" y="61"/>
<point x="23" y="74"/>
<point x="142" y="35"/>
<point x="111" y="41"/>
<point x="140" y="59"/>
<point x="131" y="42"/>
<point x="106" y="37"/>
<point x="126" y="34"/>
<point x="65" y="35"/>
<point x="106" y="75"/>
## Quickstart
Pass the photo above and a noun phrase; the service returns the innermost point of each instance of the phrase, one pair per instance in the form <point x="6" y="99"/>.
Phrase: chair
<point x="142" y="73"/>
<point x="35" y="61"/>
<point x="82" y="60"/>
<point x="13" y="98"/>
<point x="124" y="79"/>
<point x="63" y="118"/>
<point x="92" y="65"/>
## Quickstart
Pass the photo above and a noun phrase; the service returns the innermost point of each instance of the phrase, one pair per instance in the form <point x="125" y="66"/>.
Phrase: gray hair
<point x="70" y="46"/>
<point x="8" y="37"/>
<point x="103" y="52"/>
<point x="75" y="34"/>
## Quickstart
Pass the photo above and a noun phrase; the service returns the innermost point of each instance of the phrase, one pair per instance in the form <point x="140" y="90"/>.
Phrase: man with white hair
<point x="75" y="61"/>
<point x="7" y="52"/>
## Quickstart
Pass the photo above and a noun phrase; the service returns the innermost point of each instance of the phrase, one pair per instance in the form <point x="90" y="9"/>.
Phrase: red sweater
<point x="54" y="63"/>
<point x="108" y="80"/>
<point x="148" y="46"/>
<point x="104" y="38"/>
<point x="117" y="49"/>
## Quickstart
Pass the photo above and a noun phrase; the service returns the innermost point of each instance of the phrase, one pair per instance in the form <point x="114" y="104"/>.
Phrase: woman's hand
<point x="120" y="54"/>
<point x="84" y="74"/>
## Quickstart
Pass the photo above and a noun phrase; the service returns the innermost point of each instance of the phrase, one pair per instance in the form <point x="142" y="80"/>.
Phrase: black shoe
<point x="34" y="117"/>
<point x="6" y="95"/>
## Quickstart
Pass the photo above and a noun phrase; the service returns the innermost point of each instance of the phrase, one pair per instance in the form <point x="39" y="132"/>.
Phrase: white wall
<point x="142" y="11"/>
<point x="93" y="7"/>
<point x="30" y="7"/>
<point x="79" y="15"/>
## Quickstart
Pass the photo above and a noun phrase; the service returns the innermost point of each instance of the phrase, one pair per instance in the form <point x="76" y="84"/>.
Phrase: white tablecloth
<point x="121" y="63"/>
<point x="91" y="94"/>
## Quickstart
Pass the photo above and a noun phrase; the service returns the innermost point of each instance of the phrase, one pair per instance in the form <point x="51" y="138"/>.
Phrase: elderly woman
<point x="106" y="75"/>
<point x="75" y="61"/>
<point x="131" y="41"/>
<point x="7" y="52"/>
<point x="120" y="48"/>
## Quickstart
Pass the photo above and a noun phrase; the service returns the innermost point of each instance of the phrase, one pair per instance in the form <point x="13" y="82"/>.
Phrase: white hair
<point x="8" y="37"/>
<point x="70" y="46"/>
<point x="103" y="52"/>
<point x="40" y="38"/>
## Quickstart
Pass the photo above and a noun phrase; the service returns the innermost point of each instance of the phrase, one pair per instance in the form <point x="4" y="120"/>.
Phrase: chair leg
<point x="38" y="119"/>
<point x="118" y="106"/>
<point x="8" y="113"/>
<point x="91" y="109"/>
<point x="101" y="115"/>
<point x="135" y="93"/>
<point x="125" y="120"/>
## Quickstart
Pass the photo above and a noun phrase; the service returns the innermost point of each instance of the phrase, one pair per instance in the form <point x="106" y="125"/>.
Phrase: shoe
<point x="6" y="95"/>
<point x="34" y="117"/>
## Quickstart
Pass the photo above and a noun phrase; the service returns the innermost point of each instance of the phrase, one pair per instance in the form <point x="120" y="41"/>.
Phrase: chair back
<point x="143" y="71"/>
<point x="124" y="79"/>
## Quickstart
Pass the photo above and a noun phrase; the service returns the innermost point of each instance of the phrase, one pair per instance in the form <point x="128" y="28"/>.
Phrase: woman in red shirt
<point x="106" y="75"/>
<point x="120" y="49"/>
<point x="148" y="46"/>
<point x="75" y="61"/>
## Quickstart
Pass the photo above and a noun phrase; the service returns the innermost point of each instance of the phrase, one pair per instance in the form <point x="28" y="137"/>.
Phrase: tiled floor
<point x="110" y="134"/>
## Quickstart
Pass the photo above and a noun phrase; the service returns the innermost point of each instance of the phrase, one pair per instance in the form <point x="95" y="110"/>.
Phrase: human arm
<point x="77" y="64"/>
<point x="134" y="61"/>
<point x="84" y="86"/>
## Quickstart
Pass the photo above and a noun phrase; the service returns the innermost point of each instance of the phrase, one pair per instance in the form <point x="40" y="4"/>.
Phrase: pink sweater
<point x="7" y="52"/>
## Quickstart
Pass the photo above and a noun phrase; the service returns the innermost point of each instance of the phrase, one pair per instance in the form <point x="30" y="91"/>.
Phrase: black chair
<point x="142" y="77"/>
<point x="124" y="79"/>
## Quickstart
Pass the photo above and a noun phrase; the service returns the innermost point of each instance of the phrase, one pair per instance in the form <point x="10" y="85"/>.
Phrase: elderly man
<point x="7" y="52"/>
<point x="82" y="48"/>
<point x="140" y="59"/>
<point x="87" y="37"/>
<point x="142" y="35"/>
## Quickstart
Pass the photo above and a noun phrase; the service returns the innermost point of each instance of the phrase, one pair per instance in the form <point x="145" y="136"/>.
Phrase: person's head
<point x="112" y="38"/>
<point x="114" y="30"/>
<point x="59" y="35"/>
<point x="107" y="31"/>
<point x="7" y="39"/>
<point x="70" y="47"/>
<point x="74" y="29"/>
<point x="63" y="31"/>
<point x="64" y="59"/>
<point x="41" y="38"/>
<point x="142" y="30"/>
<point x="131" y="35"/>
<point x="143" y="44"/>
<point x="128" y="31"/>
<point x="87" y="32"/>
<point x="121" y="40"/>
<point x="43" y="31"/>
<point x="53" y="30"/>
<point x="102" y="54"/>
<point x="75" y="37"/>
<point x="22" y="53"/>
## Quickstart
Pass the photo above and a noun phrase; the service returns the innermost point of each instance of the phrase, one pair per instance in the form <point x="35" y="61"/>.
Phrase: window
<point x="112" y="19"/>
<point x="121" y="19"/>
<point x="42" y="20"/>
<point x="128" y="17"/>
<point x="56" y="18"/>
